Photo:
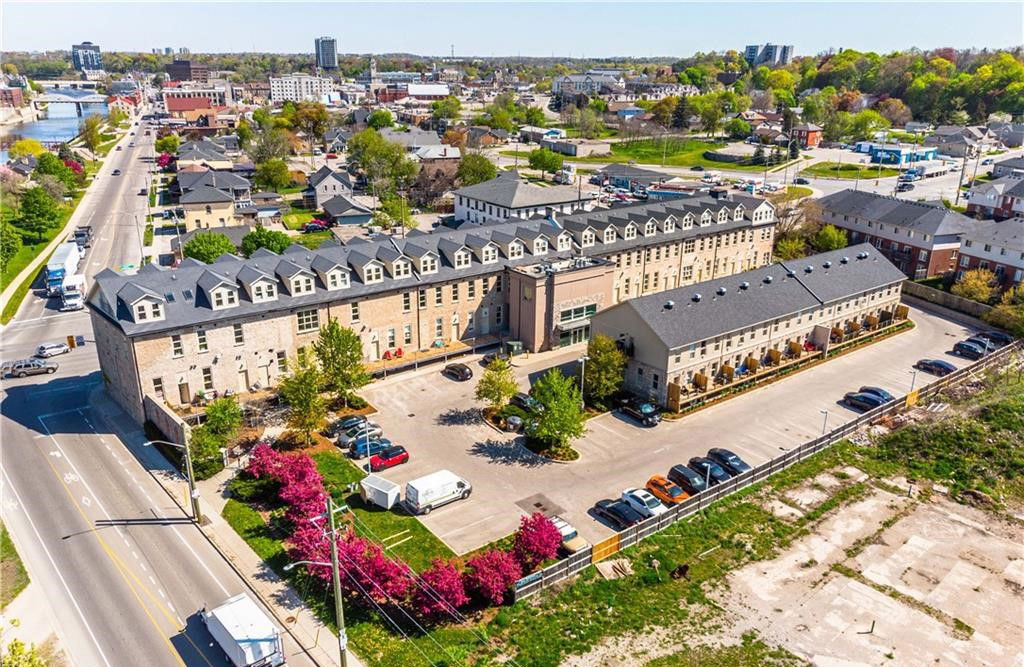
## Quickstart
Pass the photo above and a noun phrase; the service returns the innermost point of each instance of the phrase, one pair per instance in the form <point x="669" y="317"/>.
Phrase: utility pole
<point x="339" y="612"/>
<point x="960" y="181"/>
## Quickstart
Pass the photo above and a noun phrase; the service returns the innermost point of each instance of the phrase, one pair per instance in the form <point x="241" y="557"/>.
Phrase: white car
<point x="571" y="540"/>
<point x="52" y="350"/>
<point x="643" y="502"/>
<point x="366" y="429"/>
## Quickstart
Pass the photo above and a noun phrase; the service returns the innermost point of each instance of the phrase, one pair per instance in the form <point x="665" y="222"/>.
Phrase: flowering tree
<point x="302" y="487"/>
<point x="163" y="160"/>
<point x="73" y="166"/>
<point x="442" y="590"/>
<point x="491" y="574"/>
<point x="536" y="541"/>
<point x="264" y="461"/>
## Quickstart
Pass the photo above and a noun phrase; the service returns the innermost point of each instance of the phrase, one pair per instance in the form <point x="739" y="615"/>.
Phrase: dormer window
<point x="224" y="298"/>
<point x="462" y="259"/>
<point x="401" y="269"/>
<point x="650" y="228"/>
<point x="588" y="239"/>
<point x="564" y="242"/>
<point x="148" y="311"/>
<point x="688" y="222"/>
<point x="629" y="232"/>
<point x="705" y="219"/>
<point x="157" y="311"/>
<point x="339" y="279"/>
<point x="738" y="213"/>
<point x="490" y="254"/>
<point x="428" y="264"/>
<point x="670" y="225"/>
<point x="263" y="291"/>
<point x="609" y="235"/>
<point x="302" y="285"/>
<point x="540" y="246"/>
<point x="723" y="216"/>
<point x="373" y="273"/>
<point x="515" y="250"/>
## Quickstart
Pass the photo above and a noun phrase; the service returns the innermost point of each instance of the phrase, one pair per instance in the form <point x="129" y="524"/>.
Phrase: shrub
<point x="248" y="489"/>
<point x="441" y="592"/>
<point x="491" y="574"/>
<point x="536" y="541"/>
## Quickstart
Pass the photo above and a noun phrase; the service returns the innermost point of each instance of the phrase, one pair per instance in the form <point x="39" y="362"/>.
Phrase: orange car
<point x="666" y="491"/>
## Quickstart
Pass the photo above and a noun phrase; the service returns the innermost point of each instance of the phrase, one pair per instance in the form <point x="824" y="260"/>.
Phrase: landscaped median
<point x="850" y="171"/>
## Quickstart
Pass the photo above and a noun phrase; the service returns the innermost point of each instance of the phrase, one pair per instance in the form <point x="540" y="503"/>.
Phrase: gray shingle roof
<point x="342" y="205"/>
<point x="189" y="180"/>
<point x="918" y="216"/>
<point x="1007" y="234"/>
<point x="511" y="192"/>
<point x="206" y="194"/>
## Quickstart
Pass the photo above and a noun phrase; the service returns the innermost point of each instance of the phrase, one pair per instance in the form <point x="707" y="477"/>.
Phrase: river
<point x="61" y="125"/>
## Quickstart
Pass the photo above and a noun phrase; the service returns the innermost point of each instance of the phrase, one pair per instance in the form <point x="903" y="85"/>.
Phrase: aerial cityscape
<point x="689" y="334"/>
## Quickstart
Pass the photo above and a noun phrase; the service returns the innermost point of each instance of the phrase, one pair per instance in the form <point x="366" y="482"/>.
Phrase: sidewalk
<point x="283" y="602"/>
<point x="28" y="617"/>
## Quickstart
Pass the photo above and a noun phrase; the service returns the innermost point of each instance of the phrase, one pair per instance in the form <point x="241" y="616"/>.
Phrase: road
<point x="123" y="570"/>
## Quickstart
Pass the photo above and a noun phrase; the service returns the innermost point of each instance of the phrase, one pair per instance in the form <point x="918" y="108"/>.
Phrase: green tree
<point x="1009" y="312"/>
<point x="977" y="285"/>
<point x="794" y="150"/>
<point x="300" y="390"/>
<point x="312" y="119"/>
<point x="261" y="237"/>
<point x="53" y="186"/>
<point x="269" y="143"/>
<point x="386" y="163"/>
<point x="664" y="109"/>
<point x="828" y="238"/>
<point x="737" y="128"/>
<point x="39" y="212"/>
<point x="562" y="419"/>
<point x="25" y="148"/>
<point x="10" y="242"/>
<point x="272" y="175"/>
<point x="865" y="124"/>
<point x="449" y="107"/>
<point x="379" y="119"/>
<point x="18" y="654"/>
<point x="168" y="144"/>
<point x="545" y="161"/>
<point x="91" y="132"/>
<point x="339" y="350"/>
<point x="475" y="168"/>
<point x="395" y="211"/>
<point x="208" y="246"/>
<point x="497" y="384"/>
<point x="51" y="165"/>
<point x="681" y="114"/>
<point x="793" y="247"/>
<point x="244" y="132"/>
<point x="204" y="446"/>
<point x="223" y="418"/>
<point x="604" y="370"/>
<point x="534" y="116"/>
<point x="115" y="117"/>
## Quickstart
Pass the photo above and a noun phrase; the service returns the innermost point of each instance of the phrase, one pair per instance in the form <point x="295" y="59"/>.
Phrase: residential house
<point x="996" y="246"/>
<point x="919" y="127"/>
<point x="1012" y="167"/>
<point x="586" y="84"/>
<point x="479" y="136"/>
<point x="999" y="199"/>
<point x="960" y="141"/>
<point x="808" y="135"/>
<point x="438" y="168"/>
<point x="344" y="210"/>
<point x="411" y="138"/>
<point x="235" y="235"/>
<point x="326" y="183"/>
<point x="188" y="181"/>
<point x="507" y="196"/>
<point x="202" y="156"/>
<point x="336" y="140"/>
<point x="208" y="207"/>
<point x="534" y="134"/>
<point x="1010" y="135"/>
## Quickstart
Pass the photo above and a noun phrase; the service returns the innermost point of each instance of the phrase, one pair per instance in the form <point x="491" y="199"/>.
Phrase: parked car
<point x="997" y="338"/>
<point x="459" y="372"/>
<point x="984" y="344"/>
<point x="51" y="350"/>
<point x="968" y="350"/>
<point x="800" y="180"/>
<point x="987" y="160"/>
<point x="643" y="502"/>
<point x="367" y="429"/>
<point x="935" y="366"/>
<point x="728" y="460"/>
<point x="142" y="192"/>
<point x="687" y="479"/>
<point x="697" y="168"/>
<point x="571" y="540"/>
<point x="642" y="411"/>
<point x="491" y="356"/>
<point x="24" y="367"/>
<point x="524" y="401"/>
<point x="665" y="491"/>
<point x="618" y="513"/>
<point x="904" y="187"/>
<point x="332" y="156"/>
<point x="118" y="148"/>
<point x="388" y="458"/>
<point x="862" y="401"/>
<point x="713" y="473"/>
<point x="315" y="226"/>
<point x="350" y="423"/>
<point x="877" y="391"/>
<point x="363" y="447"/>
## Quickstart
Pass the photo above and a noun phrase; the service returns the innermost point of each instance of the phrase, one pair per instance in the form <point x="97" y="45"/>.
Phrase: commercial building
<point x="996" y="246"/>
<point x="11" y="96"/>
<point x="687" y="342"/>
<point x="299" y="87"/>
<point x="922" y="239"/>
<point x="768" y="54"/>
<point x="86" y="56"/>
<point x="187" y="70"/>
<point x="326" y="52"/>
<point x="173" y="332"/>
<point x="507" y="196"/>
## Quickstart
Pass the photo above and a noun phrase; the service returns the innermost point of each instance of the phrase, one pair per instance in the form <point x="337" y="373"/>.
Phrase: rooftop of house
<point x="325" y="172"/>
<point x="917" y="216"/>
<point x="224" y="180"/>
<point x="509" y="191"/>
<point x="413" y="137"/>
<point x="1007" y="234"/>
<point x="1012" y="186"/>
<point x="693" y="313"/>
<point x="342" y="206"/>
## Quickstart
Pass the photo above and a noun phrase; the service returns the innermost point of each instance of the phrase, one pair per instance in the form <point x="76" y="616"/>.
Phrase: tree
<point x="51" y="165"/>
<point x="339" y="350"/>
<point x="534" y="116"/>
<point x="204" y="447"/>
<point x="604" y="369"/>
<point x="312" y="119"/>
<point x="39" y="212"/>
<point x="977" y="285"/>
<point x="272" y="175"/>
<point x="828" y="238"/>
<point x="895" y="111"/>
<point x="545" y="160"/>
<point x="208" y="246"/>
<point x="91" y="132"/>
<point x="562" y="418"/>
<point x="379" y="119"/>
<point x="491" y="574"/>
<point x="223" y="418"/>
<point x="536" y="541"/>
<point x="300" y="390"/>
<point x="261" y="237"/>
<point x="793" y="247"/>
<point x="664" y="109"/>
<point x="25" y="148"/>
<point x="1009" y="312"/>
<point x="475" y="168"/>
<point x="116" y="116"/>
<point x="385" y="162"/>
<point x="455" y="138"/>
<point x="794" y="150"/>
<point x="449" y="107"/>
<point x="244" y="132"/>
<point x="497" y="384"/>
<point x="681" y="114"/>
<point x="443" y="591"/>
<point x="53" y="186"/>
<point x="18" y="654"/>
<point x="866" y="123"/>
<point x="710" y="108"/>
<point x="737" y="128"/>
<point x="10" y="242"/>
<point x="168" y="144"/>
<point x="269" y="143"/>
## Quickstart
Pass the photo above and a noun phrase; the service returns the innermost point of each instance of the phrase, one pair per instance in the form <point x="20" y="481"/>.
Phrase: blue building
<point x="901" y="154"/>
<point x="629" y="112"/>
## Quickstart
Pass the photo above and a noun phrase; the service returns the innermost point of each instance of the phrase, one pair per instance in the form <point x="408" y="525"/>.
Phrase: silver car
<point x="51" y="350"/>
<point x="370" y="429"/>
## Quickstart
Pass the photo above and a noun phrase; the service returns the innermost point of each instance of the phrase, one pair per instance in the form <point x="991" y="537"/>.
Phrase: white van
<point x="433" y="490"/>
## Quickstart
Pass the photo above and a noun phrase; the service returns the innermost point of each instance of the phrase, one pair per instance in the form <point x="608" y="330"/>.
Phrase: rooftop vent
<point x="862" y="255"/>
<point x="790" y="274"/>
<point x="808" y="269"/>
<point x="669" y="305"/>
<point x="696" y="297"/>
<point x="174" y="276"/>
<point x="768" y="279"/>
<point x="844" y="260"/>
<point x="827" y="264"/>
<point x="744" y="285"/>
<point x="721" y="291"/>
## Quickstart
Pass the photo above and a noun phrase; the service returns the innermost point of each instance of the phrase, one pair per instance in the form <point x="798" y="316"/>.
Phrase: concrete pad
<point x="783" y="511"/>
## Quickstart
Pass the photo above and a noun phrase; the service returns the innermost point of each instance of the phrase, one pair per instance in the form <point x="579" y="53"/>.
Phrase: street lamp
<point x="824" y="424"/>
<point x="583" y="372"/>
<point x="190" y="476"/>
<point x="913" y="380"/>
<point x="339" y="612"/>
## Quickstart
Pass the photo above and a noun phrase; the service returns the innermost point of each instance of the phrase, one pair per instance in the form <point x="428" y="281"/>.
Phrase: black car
<point x="644" y="412"/>
<point x="984" y="344"/>
<point x="687" y="479"/>
<point x="491" y="356"/>
<point x="728" y="460"/>
<point x="800" y="180"/>
<point x="697" y="168"/>
<point x="997" y="338"/>
<point x="904" y="187"/>
<point x="460" y="372"/>
<point x="935" y="366"/>
<point x="711" y="471"/>
<point x="877" y="391"/>
<point x="617" y="512"/>
<point x="524" y="401"/>
<point x="968" y="351"/>
<point x="862" y="400"/>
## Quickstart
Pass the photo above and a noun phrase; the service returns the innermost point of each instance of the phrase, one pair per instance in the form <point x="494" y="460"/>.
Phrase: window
<point x="407" y="334"/>
<point x="338" y="279"/>
<point x="406" y="302"/>
<point x="401" y="269"/>
<point x="423" y="298"/>
<point x="490" y="254"/>
<point x="438" y="297"/>
<point x="239" y="334"/>
<point x="497" y="284"/>
<point x="354" y="308"/>
<point x="428" y="264"/>
<point x="156" y="311"/>
<point x="564" y="242"/>
<point x="515" y="250"/>
<point x="470" y="323"/>
<point x="988" y="247"/>
<point x="471" y="290"/>
<point x="609" y="235"/>
<point x="140" y="312"/>
<point x="439" y="327"/>
<point x="262" y="292"/>
<point x="158" y="387"/>
<point x="588" y="239"/>
<point x="455" y="292"/>
<point x="578" y="313"/>
<point x="201" y="341"/>
<point x="687" y="272"/>
<point x="689" y="245"/>
<point x="499" y="312"/>
<point x="629" y="232"/>
<point x="391" y="338"/>
<point x="461" y="259"/>
<point x="968" y="243"/>
<point x="282" y="361"/>
<point x="177" y="350"/>
<point x="373" y="273"/>
<point x="302" y="285"/>
<point x="308" y="320"/>
<point x="650" y="228"/>
<point x="208" y="379"/>
<point x="540" y="246"/>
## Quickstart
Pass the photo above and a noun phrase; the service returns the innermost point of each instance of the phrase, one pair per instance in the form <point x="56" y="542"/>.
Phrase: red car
<point x="332" y="156"/>
<point x="388" y="458"/>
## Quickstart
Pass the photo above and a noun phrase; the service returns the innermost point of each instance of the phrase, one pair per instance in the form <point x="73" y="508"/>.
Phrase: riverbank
<point x="11" y="118"/>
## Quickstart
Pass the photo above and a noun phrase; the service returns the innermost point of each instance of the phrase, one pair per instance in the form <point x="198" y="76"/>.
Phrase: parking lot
<point x="438" y="420"/>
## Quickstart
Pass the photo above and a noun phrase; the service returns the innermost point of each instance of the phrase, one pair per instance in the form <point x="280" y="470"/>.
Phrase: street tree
<point x="793" y="247"/>
<point x="449" y="107"/>
<point x="115" y="117"/>
<point x="272" y="175"/>
<point x="545" y="160"/>
<point x="261" y="237"/>
<point x="380" y="119"/>
<point x="737" y="128"/>
<point x="664" y="109"/>
<point x="977" y="285"/>
<point x="561" y="420"/>
<point x="312" y="119"/>
<point x="39" y="212"/>
<point x="339" y="351"/>
<point x="223" y="418"/>
<point x="168" y="144"/>
<point x="208" y="246"/>
<point x="475" y="168"/>
<point x="91" y="132"/>
<point x="205" y="446"/>
<point x="25" y="148"/>
<point x="300" y="390"/>
<point x="603" y="371"/>
<point x="497" y="384"/>
<point x="1009" y="312"/>
<point x="269" y="143"/>
<point x="10" y="242"/>
<point x="828" y="238"/>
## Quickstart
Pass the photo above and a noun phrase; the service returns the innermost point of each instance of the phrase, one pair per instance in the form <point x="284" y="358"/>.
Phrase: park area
<point x="848" y="171"/>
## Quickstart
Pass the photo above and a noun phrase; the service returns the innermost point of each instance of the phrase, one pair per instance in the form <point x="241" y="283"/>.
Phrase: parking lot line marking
<point x="395" y="544"/>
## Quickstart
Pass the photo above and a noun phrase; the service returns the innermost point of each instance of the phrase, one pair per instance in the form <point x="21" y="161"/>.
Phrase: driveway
<point x="438" y="420"/>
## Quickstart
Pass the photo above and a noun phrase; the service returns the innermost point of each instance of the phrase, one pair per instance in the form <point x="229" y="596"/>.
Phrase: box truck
<point x="63" y="263"/>
<point x="245" y="634"/>
<point x="438" y="488"/>
<point x="72" y="292"/>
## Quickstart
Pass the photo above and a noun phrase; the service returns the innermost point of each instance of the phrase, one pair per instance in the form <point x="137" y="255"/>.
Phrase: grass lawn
<point x="850" y="171"/>
<point x="603" y="133"/>
<point x="792" y="192"/>
<point x="291" y="189"/>
<point x="312" y="240"/>
<point x="751" y="651"/>
<point x="13" y="577"/>
<point x="296" y="218"/>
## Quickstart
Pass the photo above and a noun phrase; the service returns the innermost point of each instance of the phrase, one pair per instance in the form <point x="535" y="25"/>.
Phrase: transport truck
<point x="63" y="263"/>
<point x="83" y="236"/>
<point x="245" y="633"/>
<point x="72" y="292"/>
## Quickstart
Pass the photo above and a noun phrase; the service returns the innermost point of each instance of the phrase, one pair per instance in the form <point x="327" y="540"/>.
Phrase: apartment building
<point x="683" y="342"/>
<point x="326" y="49"/>
<point x="922" y="239"/>
<point x="768" y="54"/>
<point x="299" y="87"/>
<point x="187" y="70"/>
<point x="234" y="323"/>
<point x="507" y="196"/>
<point x="996" y="246"/>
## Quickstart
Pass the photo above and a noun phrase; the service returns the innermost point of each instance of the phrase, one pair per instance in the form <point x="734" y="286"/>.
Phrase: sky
<point x="594" y="28"/>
